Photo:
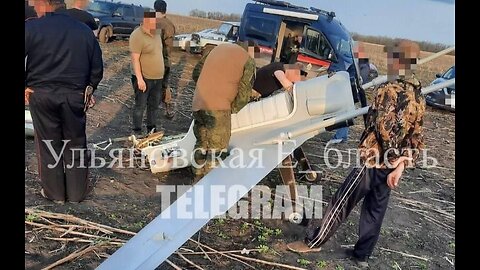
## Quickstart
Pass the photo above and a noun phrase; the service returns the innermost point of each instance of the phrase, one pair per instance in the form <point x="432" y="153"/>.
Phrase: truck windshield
<point x="341" y="45"/>
<point x="340" y="40"/>
<point x="224" y="28"/>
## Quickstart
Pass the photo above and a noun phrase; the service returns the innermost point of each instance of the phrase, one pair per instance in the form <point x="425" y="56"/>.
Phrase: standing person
<point x="63" y="58"/>
<point x="367" y="72"/>
<point x="148" y="69"/>
<point x="78" y="12"/>
<point x="224" y="80"/>
<point x="391" y="142"/>
<point x="168" y="32"/>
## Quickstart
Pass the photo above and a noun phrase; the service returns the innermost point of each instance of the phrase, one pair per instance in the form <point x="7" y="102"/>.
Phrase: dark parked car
<point x="444" y="98"/>
<point x="115" y="19"/>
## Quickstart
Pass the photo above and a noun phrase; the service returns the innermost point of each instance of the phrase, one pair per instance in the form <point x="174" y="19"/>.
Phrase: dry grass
<point x="383" y="40"/>
<point x="187" y="24"/>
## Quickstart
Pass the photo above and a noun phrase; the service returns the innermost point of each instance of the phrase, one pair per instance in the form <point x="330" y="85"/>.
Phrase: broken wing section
<point x="167" y="232"/>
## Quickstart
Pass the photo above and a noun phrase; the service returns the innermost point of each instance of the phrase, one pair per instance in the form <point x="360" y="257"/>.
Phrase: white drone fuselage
<point x="268" y="120"/>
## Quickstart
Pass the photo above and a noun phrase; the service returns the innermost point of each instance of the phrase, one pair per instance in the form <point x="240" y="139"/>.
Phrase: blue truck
<point x="289" y="33"/>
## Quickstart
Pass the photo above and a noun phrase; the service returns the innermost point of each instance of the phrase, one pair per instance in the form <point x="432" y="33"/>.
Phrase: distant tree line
<point x="215" y="15"/>
<point x="387" y="41"/>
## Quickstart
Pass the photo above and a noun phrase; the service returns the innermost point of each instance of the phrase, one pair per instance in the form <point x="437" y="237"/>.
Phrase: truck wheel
<point x="104" y="34"/>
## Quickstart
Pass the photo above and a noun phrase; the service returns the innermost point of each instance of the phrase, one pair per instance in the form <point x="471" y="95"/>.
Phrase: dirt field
<point x="418" y="231"/>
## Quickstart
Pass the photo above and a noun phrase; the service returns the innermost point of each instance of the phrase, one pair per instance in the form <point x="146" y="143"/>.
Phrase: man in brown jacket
<point x="224" y="86"/>
<point x="168" y="32"/>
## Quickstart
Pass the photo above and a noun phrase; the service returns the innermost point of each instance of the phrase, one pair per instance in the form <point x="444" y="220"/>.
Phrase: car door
<point x="138" y="17"/>
<point x="449" y="92"/>
<point x="233" y="33"/>
<point x="450" y="74"/>
<point x="316" y="50"/>
<point x="121" y="20"/>
<point x="129" y="19"/>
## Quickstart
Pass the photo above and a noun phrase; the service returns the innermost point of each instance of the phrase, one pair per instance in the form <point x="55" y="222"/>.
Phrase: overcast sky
<point x="422" y="20"/>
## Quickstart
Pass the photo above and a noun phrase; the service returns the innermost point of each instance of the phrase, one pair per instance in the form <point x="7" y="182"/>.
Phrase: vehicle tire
<point x="104" y="34"/>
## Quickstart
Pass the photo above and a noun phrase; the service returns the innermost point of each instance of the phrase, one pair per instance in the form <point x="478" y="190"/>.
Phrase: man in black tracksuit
<point x="63" y="59"/>
<point x="78" y="12"/>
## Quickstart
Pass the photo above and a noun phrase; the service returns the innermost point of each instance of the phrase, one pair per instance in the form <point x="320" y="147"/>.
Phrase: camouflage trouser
<point x="167" y="92"/>
<point x="212" y="130"/>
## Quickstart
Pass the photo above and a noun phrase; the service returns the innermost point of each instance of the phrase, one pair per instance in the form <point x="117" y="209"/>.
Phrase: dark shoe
<point x="360" y="262"/>
<point x="42" y="192"/>
<point x="169" y="112"/>
<point x="301" y="247"/>
<point x="87" y="192"/>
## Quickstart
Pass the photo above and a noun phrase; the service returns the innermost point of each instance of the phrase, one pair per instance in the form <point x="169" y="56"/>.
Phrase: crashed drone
<point x="281" y="120"/>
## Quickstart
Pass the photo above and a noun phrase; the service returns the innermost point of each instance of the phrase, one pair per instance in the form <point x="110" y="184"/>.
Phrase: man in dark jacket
<point x="63" y="58"/>
<point x="78" y="12"/>
<point x="167" y="32"/>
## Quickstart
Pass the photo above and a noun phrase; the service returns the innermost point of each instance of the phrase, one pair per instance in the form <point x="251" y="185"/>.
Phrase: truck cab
<point x="289" y="33"/>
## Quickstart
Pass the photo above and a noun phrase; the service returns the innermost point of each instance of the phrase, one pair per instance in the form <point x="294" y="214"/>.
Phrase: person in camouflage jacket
<point x="391" y="142"/>
<point x="224" y="78"/>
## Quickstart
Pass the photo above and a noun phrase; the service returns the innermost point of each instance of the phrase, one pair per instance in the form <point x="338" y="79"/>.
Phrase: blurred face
<point x="251" y="51"/>
<point x="293" y="75"/>
<point x="82" y="3"/>
<point x="359" y="51"/>
<point x="150" y="22"/>
<point x="254" y="52"/>
<point x="402" y="59"/>
<point x="400" y="64"/>
<point x="41" y="7"/>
